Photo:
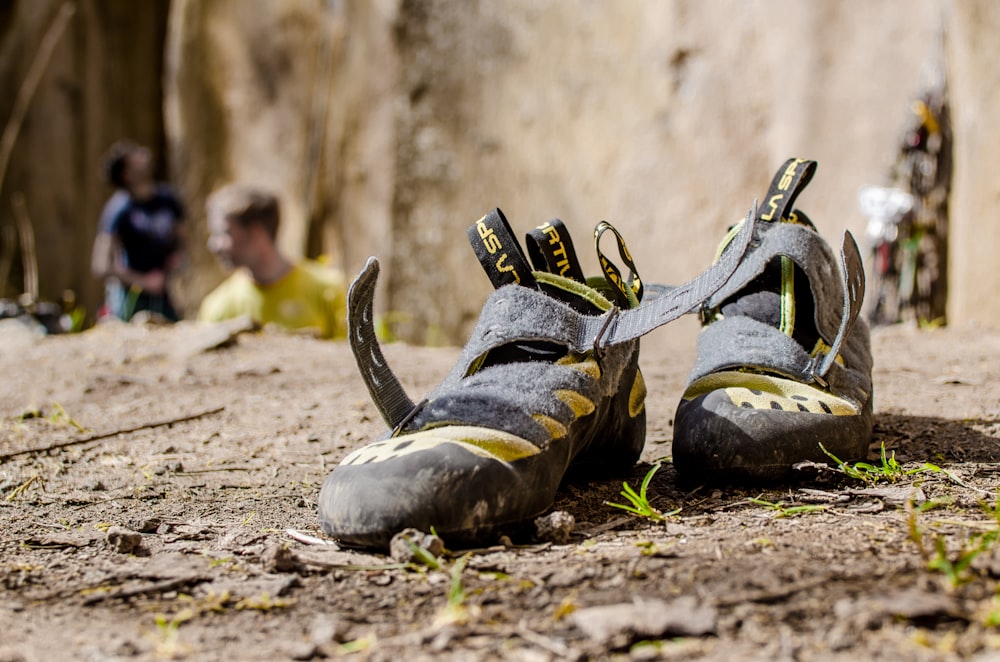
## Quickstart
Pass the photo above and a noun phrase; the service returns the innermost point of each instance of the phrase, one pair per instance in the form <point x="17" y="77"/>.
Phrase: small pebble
<point x="124" y="541"/>
<point x="401" y="551"/>
<point x="556" y="527"/>
<point x="279" y="558"/>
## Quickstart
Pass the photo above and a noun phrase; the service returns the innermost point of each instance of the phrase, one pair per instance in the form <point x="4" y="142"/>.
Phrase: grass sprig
<point x="888" y="469"/>
<point x="639" y="501"/>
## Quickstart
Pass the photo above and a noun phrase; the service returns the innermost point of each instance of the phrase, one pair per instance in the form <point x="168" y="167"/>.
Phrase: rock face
<point x="102" y="83"/>
<point x="975" y="232"/>
<point x="388" y="126"/>
<point x="293" y="95"/>
<point x="666" y="119"/>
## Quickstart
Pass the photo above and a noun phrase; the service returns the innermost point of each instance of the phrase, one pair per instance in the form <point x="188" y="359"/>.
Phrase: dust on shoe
<point x="783" y="370"/>
<point x="548" y="382"/>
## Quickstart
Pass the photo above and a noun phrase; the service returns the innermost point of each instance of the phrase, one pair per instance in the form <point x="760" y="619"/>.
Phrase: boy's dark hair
<point x="247" y="205"/>
<point x="115" y="160"/>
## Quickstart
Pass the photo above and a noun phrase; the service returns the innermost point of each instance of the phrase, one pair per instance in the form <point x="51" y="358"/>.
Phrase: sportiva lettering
<point x="491" y="242"/>
<point x="507" y="267"/>
<point x="787" y="178"/>
<point x="560" y="251"/>
<point x="789" y="174"/>
<point x="773" y="204"/>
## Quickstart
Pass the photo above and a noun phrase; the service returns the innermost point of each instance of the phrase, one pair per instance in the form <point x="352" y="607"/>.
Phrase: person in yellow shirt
<point x="243" y="225"/>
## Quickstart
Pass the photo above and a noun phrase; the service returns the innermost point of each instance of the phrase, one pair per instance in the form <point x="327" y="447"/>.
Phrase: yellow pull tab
<point x="628" y="292"/>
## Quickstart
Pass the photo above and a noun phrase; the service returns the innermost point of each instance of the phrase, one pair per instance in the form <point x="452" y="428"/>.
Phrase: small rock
<point x="556" y="527"/>
<point x="147" y="525"/>
<point x="279" y="558"/>
<point x="327" y="629"/>
<point x="303" y="651"/>
<point x="401" y="546"/>
<point x="124" y="541"/>
<point x="914" y="603"/>
<point x="618" y="626"/>
<point x="174" y="467"/>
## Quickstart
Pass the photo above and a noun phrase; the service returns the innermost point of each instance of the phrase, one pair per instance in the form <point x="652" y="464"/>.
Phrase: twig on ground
<point x="546" y="643"/>
<point x="307" y="539"/>
<point x="775" y="594"/>
<point x="161" y="586"/>
<point x="958" y="481"/>
<point x="105" y="435"/>
<point x="214" y="470"/>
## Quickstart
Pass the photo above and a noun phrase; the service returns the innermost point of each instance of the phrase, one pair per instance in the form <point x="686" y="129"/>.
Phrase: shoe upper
<point x="754" y="326"/>
<point x="548" y="382"/>
<point x="490" y="445"/>
<point x="783" y="368"/>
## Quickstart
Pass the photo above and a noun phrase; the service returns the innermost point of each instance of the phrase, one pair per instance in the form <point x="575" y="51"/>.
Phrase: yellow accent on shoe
<point x="728" y="239"/>
<point x="637" y="396"/>
<point x="484" y="442"/>
<point x="787" y="296"/>
<point x="585" y="363"/>
<point x="580" y="404"/>
<point x="754" y="391"/>
<point x="555" y="429"/>
<point x="822" y="348"/>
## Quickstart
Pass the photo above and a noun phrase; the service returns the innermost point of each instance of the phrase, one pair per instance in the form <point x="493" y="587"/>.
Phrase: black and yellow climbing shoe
<point x="548" y="382"/>
<point x="783" y="363"/>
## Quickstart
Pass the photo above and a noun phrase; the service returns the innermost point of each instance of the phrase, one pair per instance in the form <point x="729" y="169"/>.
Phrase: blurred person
<point x="139" y="239"/>
<point x="266" y="286"/>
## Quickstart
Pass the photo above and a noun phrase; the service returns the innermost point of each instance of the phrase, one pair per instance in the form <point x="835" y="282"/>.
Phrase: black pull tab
<point x="499" y="252"/>
<point x="628" y="292"/>
<point x="551" y="249"/>
<point x="788" y="182"/>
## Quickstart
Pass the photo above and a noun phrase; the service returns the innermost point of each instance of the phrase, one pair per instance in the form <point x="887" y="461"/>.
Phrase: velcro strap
<point x="499" y="252"/>
<point x="514" y="314"/>
<point x="627" y="292"/>
<point x="789" y="181"/>
<point x="551" y="249"/>
<point x="518" y="313"/>
<point x="685" y="297"/>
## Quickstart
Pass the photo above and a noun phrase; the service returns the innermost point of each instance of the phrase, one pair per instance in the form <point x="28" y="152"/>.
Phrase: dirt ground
<point x="158" y="493"/>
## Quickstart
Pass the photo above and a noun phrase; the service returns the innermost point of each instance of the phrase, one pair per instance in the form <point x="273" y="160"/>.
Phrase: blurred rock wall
<point x="975" y="202"/>
<point x="102" y="83"/>
<point x="665" y="118"/>
<point x="388" y="126"/>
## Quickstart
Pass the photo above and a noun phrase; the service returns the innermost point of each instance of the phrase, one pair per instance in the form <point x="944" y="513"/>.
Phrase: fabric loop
<point x="628" y="292"/>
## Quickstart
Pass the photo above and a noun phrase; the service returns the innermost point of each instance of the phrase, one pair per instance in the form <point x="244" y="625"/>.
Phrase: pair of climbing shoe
<point x="549" y="382"/>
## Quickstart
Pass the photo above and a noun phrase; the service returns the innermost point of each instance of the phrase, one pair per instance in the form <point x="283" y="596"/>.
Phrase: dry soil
<point x="158" y="493"/>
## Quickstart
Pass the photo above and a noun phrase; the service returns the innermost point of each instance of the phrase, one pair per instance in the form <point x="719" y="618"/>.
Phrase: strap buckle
<point x="409" y="417"/>
<point x="813" y="369"/>
<point x="610" y="319"/>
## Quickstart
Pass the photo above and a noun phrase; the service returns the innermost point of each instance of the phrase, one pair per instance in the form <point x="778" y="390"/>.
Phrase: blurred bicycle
<point x="889" y="212"/>
<point x="907" y="221"/>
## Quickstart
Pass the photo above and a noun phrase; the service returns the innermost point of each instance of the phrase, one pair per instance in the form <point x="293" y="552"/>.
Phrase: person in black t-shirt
<point x="139" y="241"/>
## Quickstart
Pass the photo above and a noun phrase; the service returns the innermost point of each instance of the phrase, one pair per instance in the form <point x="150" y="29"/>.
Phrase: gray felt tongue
<point x="765" y="307"/>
